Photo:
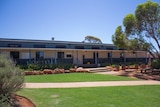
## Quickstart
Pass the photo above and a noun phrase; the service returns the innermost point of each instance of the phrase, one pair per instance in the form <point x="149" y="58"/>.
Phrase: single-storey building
<point x="51" y="51"/>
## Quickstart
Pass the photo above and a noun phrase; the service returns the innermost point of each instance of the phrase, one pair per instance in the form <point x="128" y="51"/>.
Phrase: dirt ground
<point x="141" y="75"/>
<point x="24" y="102"/>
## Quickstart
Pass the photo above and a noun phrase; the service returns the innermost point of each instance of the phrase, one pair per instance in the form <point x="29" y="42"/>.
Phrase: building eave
<point x="52" y="41"/>
<point x="63" y="49"/>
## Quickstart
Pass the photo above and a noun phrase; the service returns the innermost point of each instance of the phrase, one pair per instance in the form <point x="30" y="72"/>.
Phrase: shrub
<point x="155" y="64"/>
<point x="37" y="66"/>
<point x="104" y="64"/>
<point x="11" y="80"/>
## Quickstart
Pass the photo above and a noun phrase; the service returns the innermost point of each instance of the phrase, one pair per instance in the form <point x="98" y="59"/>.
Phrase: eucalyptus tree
<point x="92" y="39"/>
<point x="144" y="25"/>
<point x="119" y="39"/>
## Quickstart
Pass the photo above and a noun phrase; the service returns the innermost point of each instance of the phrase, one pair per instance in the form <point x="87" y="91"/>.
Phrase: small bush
<point x="36" y="66"/>
<point x="104" y="64"/>
<point x="11" y="80"/>
<point x="156" y="64"/>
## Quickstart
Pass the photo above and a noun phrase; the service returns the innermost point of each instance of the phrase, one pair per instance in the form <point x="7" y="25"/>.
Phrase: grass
<point x="75" y="77"/>
<point x="126" y="96"/>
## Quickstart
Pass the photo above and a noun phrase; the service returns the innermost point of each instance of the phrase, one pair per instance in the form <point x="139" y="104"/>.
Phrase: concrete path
<point x="90" y="84"/>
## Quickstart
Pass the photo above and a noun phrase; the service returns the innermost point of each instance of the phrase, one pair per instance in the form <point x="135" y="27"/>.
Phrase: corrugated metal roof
<point x="53" y="41"/>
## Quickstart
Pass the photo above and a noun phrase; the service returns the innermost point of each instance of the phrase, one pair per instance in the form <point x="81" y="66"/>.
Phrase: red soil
<point x="24" y="102"/>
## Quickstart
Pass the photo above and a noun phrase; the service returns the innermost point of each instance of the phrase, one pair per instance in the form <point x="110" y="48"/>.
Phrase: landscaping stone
<point x="47" y="71"/>
<point x="72" y="70"/>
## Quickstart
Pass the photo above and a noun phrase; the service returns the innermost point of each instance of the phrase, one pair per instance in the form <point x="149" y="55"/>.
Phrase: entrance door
<point x="14" y="54"/>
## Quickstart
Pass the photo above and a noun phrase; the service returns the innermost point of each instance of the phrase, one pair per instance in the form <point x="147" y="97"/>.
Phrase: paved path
<point x="90" y="84"/>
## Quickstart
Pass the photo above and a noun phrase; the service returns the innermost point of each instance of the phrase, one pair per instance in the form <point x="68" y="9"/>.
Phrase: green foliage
<point x="130" y="23"/>
<point x="137" y="44"/>
<point x="144" y="25"/>
<point x="113" y="65"/>
<point x="104" y="64"/>
<point x="92" y="39"/>
<point x="11" y="80"/>
<point x="37" y="66"/>
<point x="147" y="13"/>
<point x="140" y="29"/>
<point x="119" y="38"/>
<point x="155" y="64"/>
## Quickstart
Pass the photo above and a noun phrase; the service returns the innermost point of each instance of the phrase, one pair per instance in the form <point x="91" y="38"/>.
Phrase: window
<point x="14" y="45"/>
<point x="69" y="56"/>
<point x="25" y="55"/>
<point x="39" y="55"/>
<point x="60" y="55"/>
<point x="79" y="47"/>
<point x="95" y="47"/>
<point x="60" y="46"/>
<point x="109" y="48"/>
<point x="39" y="46"/>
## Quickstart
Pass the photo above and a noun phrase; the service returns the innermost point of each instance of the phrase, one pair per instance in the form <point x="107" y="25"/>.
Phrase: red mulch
<point x="24" y="102"/>
<point x="143" y="75"/>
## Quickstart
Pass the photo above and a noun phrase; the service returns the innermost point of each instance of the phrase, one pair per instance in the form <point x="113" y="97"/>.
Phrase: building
<point x="25" y="51"/>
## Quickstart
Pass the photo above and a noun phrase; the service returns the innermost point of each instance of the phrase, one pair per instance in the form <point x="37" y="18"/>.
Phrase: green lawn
<point x="75" y="77"/>
<point x="126" y="96"/>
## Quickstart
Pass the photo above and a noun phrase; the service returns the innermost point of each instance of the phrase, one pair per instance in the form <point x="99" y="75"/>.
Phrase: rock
<point x="47" y="71"/>
<point x="80" y="69"/>
<point x="72" y="70"/>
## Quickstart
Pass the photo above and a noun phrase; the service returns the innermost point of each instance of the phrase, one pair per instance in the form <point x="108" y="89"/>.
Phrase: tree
<point x="144" y="25"/>
<point x="119" y="39"/>
<point x="92" y="39"/>
<point x="11" y="80"/>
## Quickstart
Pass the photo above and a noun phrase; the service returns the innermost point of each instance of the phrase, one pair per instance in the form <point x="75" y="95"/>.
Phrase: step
<point x="101" y="69"/>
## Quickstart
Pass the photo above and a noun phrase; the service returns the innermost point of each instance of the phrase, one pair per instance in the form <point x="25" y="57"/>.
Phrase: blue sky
<point x="65" y="20"/>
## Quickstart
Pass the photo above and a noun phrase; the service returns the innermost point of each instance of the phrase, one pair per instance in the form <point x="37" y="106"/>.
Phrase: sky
<point x="65" y="20"/>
